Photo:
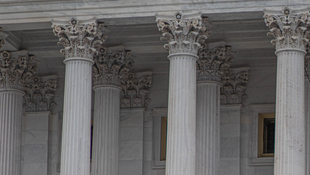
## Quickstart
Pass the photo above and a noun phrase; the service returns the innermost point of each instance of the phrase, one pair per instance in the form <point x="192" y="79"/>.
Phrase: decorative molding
<point x="185" y="32"/>
<point x="2" y="40"/>
<point x="290" y="29"/>
<point x="80" y="38"/>
<point x="234" y="86"/>
<point x="39" y="95"/>
<point x="212" y="63"/>
<point x="135" y="90"/>
<point x="253" y="136"/>
<point x="110" y="68"/>
<point x="15" y="72"/>
<point x="157" y="114"/>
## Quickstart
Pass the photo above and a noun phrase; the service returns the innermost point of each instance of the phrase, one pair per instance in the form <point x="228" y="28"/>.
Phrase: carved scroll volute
<point x="15" y="72"/>
<point x="80" y="38"/>
<point x="184" y="32"/>
<point x="291" y="29"/>
<point x="109" y="68"/>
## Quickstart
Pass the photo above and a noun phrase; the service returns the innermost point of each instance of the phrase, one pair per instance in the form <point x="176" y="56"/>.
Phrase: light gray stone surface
<point x="131" y="141"/>
<point x="208" y="128"/>
<point x="10" y="129"/>
<point x="36" y="143"/>
<point x="105" y="145"/>
<point x="230" y="140"/>
<point x="237" y="23"/>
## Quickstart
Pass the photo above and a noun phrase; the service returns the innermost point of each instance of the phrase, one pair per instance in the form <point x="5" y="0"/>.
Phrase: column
<point x="134" y="99"/>
<point x="79" y="38"/>
<point x="15" y="71"/>
<point x="184" y="34"/>
<point x="210" y="65"/>
<point x="107" y="109"/>
<point x="290" y="31"/>
<point x="38" y="103"/>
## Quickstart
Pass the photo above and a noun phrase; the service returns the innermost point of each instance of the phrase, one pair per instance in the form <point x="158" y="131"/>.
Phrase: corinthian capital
<point x="39" y="93"/>
<point x="79" y="37"/>
<point x="16" y="70"/>
<point x="2" y="41"/>
<point x="291" y="29"/>
<point x="234" y="86"/>
<point x="135" y="89"/>
<point x="109" y="68"/>
<point x="212" y="62"/>
<point x="184" y="32"/>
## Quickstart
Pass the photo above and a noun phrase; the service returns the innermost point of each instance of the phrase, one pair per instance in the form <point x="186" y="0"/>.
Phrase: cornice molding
<point x="31" y="12"/>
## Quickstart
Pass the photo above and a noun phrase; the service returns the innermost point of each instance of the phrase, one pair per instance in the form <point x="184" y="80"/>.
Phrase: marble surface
<point x="131" y="141"/>
<point x="290" y="131"/>
<point x="208" y="128"/>
<point x="105" y="146"/>
<point x="10" y="131"/>
<point x="35" y="144"/>
<point x="43" y="11"/>
<point x="75" y="151"/>
<point x="244" y="30"/>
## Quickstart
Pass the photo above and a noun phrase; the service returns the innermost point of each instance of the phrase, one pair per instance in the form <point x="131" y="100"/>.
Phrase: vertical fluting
<point x="181" y="140"/>
<point x="11" y="107"/>
<point x="290" y="115"/>
<point x="208" y="128"/>
<point x="75" y="156"/>
<point x="106" y="130"/>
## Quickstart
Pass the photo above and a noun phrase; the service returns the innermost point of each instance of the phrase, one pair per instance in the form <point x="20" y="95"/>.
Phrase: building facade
<point x="151" y="88"/>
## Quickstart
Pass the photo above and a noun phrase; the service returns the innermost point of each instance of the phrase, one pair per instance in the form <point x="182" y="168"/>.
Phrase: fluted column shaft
<point x="290" y="115"/>
<point x="11" y="106"/>
<point x="208" y="128"/>
<point x="181" y="115"/>
<point x="75" y="157"/>
<point x="106" y="130"/>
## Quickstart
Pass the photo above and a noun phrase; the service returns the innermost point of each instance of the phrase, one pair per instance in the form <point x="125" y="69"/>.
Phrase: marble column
<point x="184" y="33"/>
<point x="14" y="73"/>
<point x="80" y="38"/>
<point x="107" y="109"/>
<point x="11" y="107"/>
<point x="290" y="31"/>
<point x="210" y="65"/>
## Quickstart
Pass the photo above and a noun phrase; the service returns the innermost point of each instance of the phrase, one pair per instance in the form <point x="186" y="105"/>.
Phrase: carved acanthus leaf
<point x="289" y="30"/>
<point x="15" y="72"/>
<point x="135" y="91"/>
<point x="39" y="95"/>
<point x="234" y="86"/>
<point x="184" y="34"/>
<point x="80" y="39"/>
<point x="109" y="68"/>
<point x="211" y="63"/>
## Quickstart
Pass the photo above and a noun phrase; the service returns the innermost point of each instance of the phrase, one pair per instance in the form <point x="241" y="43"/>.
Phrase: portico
<point x="104" y="95"/>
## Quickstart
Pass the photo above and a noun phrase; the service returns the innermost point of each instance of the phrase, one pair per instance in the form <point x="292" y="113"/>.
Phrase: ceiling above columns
<point x="244" y="31"/>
